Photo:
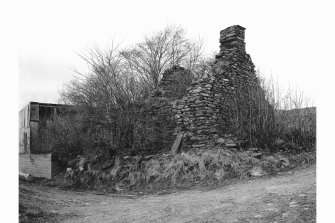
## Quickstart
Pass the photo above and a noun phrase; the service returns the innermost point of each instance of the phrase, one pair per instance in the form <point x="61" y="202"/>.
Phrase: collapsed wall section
<point x="174" y="83"/>
<point x="159" y="114"/>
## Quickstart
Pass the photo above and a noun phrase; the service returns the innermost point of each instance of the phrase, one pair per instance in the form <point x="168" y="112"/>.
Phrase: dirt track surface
<point x="290" y="197"/>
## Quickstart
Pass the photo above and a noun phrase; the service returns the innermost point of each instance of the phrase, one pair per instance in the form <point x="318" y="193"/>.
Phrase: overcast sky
<point x="280" y="36"/>
<point x="293" y="40"/>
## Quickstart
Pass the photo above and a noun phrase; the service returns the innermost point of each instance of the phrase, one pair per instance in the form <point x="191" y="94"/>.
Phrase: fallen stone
<point x="285" y="215"/>
<point x="219" y="174"/>
<point x="24" y="176"/>
<point x="271" y="159"/>
<point x="257" y="171"/>
<point x="231" y="145"/>
<point x="253" y="149"/>
<point x="256" y="155"/>
<point x="292" y="203"/>
<point x="82" y="163"/>
<point x="107" y="165"/>
<point x="284" y="162"/>
<point x="162" y="192"/>
<point x="272" y="209"/>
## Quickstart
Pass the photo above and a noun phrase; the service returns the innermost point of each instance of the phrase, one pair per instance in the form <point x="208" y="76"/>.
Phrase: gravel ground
<point x="290" y="197"/>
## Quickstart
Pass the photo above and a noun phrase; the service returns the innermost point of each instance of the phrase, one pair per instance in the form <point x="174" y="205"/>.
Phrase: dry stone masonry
<point x="219" y="104"/>
<point x="221" y="107"/>
<point x="161" y="123"/>
<point x="197" y="113"/>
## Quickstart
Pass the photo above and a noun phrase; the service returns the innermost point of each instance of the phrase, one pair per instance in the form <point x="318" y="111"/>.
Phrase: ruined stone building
<point x="224" y="105"/>
<point x="224" y="102"/>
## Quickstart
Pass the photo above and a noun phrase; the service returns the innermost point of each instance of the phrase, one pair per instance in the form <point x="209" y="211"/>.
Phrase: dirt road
<point x="290" y="197"/>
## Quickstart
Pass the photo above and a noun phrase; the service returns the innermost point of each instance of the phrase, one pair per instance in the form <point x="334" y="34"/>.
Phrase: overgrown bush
<point x="266" y="114"/>
<point x="295" y="118"/>
<point x="66" y="136"/>
<point x="297" y="126"/>
<point x="249" y="115"/>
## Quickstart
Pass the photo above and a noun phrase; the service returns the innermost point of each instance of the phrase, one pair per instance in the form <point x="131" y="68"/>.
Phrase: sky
<point x="279" y="36"/>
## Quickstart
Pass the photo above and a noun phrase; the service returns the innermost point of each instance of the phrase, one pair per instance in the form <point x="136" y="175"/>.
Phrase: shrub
<point x="66" y="137"/>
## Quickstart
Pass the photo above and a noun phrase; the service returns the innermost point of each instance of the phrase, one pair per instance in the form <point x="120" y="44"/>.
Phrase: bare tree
<point x="161" y="51"/>
<point x="106" y="94"/>
<point x="203" y="65"/>
<point x="107" y="84"/>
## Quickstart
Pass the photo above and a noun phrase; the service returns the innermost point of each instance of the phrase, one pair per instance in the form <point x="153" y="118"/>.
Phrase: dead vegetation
<point x="164" y="171"/>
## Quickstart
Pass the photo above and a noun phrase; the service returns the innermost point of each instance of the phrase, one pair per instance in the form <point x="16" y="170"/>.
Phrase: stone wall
<point x="244" y="110"/>
<point x="160" y="123"/>
<point x="225" y="105"/>
<point x="197" y="113"/>
<point x="220" y="104"/>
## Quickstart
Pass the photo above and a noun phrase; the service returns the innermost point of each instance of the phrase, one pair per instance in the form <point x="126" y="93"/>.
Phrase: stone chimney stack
<point x="232" y="38"/>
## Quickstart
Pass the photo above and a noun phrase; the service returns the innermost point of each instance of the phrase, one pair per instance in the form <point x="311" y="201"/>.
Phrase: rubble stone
<point x="208" y="102"/>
